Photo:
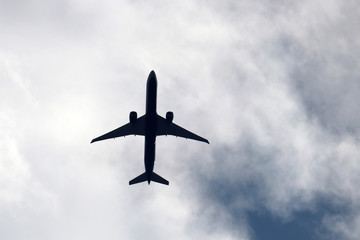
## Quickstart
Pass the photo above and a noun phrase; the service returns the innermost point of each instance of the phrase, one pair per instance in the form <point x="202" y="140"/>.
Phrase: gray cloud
<point x="273" y="86"/>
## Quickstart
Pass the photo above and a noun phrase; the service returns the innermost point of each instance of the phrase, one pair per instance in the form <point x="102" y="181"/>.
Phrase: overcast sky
<point x="273" y="85"/>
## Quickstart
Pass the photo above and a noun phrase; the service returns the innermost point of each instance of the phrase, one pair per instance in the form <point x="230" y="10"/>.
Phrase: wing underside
<point x="166" y="128"/>
<point x="137" y="128"/>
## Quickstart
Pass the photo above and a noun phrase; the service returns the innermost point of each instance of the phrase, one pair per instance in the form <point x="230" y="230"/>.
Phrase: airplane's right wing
<point x="166" y="128"/>
<point x="137" y="128"/>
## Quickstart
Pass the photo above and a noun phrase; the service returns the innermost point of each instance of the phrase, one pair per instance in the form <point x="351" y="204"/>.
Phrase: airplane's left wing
<point x="166" y="128"/>
<point x="137" y="128"/>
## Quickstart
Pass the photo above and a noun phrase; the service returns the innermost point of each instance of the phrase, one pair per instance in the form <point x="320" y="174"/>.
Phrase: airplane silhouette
<point x="150" y="125"/>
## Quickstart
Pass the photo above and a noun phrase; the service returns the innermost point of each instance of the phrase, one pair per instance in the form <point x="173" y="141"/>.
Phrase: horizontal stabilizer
<point x="158" y="179"/>
<point x="154" y="177"/>
<point x="139" y="179"/>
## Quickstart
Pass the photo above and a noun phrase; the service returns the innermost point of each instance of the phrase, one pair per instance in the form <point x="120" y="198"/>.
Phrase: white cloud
<point x="250" y="76"/>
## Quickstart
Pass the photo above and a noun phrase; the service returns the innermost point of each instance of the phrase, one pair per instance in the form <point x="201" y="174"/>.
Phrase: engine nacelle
<point x="133" y="117"/>
<point x="169" y="117"/>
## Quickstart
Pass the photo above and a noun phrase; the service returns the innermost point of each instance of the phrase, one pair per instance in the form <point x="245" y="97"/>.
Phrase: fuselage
<point x="150" y="124"/>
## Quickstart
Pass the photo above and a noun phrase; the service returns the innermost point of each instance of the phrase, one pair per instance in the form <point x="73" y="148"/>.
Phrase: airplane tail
<point x="158" y="179"/>
<point x="154" y="177"/>
<point x="139" y="179"/>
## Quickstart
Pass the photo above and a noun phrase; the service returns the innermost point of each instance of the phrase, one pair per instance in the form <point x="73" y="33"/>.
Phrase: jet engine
<point x="169" y="117"/>
<point x="133" y="116"/>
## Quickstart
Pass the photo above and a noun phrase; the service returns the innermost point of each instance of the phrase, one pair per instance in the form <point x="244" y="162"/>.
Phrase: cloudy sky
<point x="273" y="85"/>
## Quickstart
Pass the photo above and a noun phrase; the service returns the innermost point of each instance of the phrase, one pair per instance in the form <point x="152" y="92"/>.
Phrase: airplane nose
<point x="152" y="74"/>
<point x="152" y="78"/>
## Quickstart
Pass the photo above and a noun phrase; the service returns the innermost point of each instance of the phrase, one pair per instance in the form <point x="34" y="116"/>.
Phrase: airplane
<point x="150" y="125"/>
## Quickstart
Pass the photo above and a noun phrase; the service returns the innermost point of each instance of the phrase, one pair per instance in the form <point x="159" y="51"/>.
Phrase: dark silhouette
<point x="150" y="125"/>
